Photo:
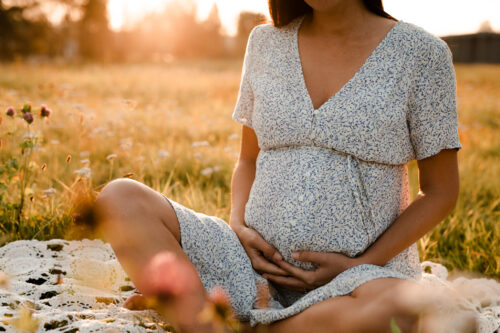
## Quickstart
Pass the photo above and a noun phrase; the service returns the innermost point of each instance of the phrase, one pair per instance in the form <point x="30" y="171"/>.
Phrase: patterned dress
<point x="330" y="179"/>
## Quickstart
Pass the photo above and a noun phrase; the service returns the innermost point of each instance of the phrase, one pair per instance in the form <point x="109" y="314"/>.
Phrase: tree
<point x="485" y="27"/>
<point x="94" y="30"/>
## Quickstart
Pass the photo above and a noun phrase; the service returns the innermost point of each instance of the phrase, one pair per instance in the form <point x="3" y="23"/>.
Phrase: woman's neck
<point x="343" y="19"/>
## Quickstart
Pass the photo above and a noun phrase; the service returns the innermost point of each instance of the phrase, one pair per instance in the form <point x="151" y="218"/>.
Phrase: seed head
<point x="10" y="112"/>
<point x="28" y="116"/>
<point x="44" y="111"/>
<point x="111" y="157"/>
<point x="27" y="107"/>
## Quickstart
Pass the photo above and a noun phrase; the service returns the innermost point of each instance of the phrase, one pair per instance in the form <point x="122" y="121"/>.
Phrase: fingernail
<point x="277" y="256"/>
<point x="295" y="255"/>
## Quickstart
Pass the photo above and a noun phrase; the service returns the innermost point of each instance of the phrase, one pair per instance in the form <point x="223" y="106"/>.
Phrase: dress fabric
<point x="330" y="179"/>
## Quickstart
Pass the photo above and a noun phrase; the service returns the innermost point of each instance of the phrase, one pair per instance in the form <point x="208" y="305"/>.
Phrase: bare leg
<point x="139" y="223"/>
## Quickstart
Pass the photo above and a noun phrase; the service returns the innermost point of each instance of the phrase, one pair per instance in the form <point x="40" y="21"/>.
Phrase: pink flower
<point x="166" y="275"/>
<point x="10" y="112"/>
<point x="28" y="116"/>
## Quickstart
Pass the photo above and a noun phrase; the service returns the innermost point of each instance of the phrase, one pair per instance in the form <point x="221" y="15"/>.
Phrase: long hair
<point x="284" y="11"/>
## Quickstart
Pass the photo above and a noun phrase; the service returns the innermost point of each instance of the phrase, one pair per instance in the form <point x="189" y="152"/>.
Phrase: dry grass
<point x="150" y="116"/>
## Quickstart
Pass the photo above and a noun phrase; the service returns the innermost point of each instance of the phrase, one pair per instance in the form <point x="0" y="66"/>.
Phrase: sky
<point x="440" y="17"/>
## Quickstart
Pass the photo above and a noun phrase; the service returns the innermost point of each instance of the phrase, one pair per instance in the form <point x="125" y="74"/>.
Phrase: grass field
<point x="170" y="126"/>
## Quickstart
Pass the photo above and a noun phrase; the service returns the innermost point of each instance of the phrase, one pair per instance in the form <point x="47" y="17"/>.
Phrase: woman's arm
<point x="439" y="186"/>
<point x="241" y="183"/>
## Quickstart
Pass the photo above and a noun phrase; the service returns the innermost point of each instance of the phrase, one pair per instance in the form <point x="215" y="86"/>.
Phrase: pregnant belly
<point x="304" y="199"/>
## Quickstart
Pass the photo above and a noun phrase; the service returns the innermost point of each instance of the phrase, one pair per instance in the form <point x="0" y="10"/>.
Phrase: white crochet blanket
<point x="79" y="286"/>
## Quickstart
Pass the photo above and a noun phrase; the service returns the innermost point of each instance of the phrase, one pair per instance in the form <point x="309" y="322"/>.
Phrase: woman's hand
<point x="258" y="249"/>
<point x="328" y="266"/>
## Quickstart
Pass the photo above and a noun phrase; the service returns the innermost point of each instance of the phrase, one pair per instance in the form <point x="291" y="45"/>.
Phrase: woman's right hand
<point x="258" y="250"/>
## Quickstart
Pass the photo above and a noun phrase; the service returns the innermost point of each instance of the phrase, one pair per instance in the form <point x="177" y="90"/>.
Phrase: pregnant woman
<point x="336" y="97"/>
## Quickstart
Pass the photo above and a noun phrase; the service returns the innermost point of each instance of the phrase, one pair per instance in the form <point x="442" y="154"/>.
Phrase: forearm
<point x="241" y="183"/>
<point x="425" y="212"/>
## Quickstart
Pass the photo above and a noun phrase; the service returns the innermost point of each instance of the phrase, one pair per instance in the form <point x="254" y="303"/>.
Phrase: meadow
<point x="170" y="127"/>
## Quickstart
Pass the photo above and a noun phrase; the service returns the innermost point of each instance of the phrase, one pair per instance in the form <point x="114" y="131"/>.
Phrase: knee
<point x="119" y="193"/>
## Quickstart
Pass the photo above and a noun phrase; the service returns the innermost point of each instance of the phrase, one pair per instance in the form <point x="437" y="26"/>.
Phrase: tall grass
<point x="170" y="127"/>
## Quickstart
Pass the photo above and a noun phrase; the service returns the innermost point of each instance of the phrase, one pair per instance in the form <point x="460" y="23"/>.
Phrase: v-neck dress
<point x="331" y="179"/>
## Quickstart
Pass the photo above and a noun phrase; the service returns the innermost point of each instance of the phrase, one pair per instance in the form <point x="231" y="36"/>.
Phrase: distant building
<point x="482" y="47"/>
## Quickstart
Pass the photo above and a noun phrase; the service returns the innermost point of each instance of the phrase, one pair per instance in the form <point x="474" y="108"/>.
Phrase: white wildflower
<point x="234" y="137"/>
<point x="111" y="157"/>
<point x="55" y="142"/>
<point x="198" y="155"/>
<point x="50" y="192"/>
<point x="200" y="144"/>
<point x="85" y="161"/>
<point x="85" y="172"/>
<point x="163" y="153"/>
<point x="84" y="153"/>
<point x="207" y="171"/>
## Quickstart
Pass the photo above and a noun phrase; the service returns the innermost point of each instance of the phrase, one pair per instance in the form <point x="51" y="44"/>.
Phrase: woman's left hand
<point x="328" y="266"/>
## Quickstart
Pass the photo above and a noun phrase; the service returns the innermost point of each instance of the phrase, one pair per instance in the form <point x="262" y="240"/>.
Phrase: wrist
<point x="236" y="226"/>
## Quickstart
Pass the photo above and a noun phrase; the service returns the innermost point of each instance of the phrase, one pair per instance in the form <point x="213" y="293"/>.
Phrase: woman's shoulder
<point x="267" y="31"/>
<point x="422" y="43"/>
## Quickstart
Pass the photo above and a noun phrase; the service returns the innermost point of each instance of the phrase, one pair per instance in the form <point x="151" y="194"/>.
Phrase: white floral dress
<point x="331" y="179"/>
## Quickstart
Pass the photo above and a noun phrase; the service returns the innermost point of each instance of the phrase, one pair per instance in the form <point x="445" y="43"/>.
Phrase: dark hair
<point x="284" y="11"/>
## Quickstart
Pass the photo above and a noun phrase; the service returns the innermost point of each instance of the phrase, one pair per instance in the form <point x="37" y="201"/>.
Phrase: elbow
<point x="445" y="197"/>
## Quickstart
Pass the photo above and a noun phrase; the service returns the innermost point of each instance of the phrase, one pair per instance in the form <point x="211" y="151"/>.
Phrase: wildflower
<point x="85" y="161"/>
<point x="55" y="142"/>
<point x="111" y="157"/>
<point x="207" y="171"/>
<point x="28" y="116"/>
<point x="44" y="111"/>
<point x="10" y="112"/>
<point x="198" y="155"/>
<point x="85" y="172"/>
<point x="200" y="144"/>
<point x="218" y="310"/>
<point x="44" y="166"/>
<point x="84" y="153"/>
<point x="163" y="153"/>
<point x="68" y="158"/>
<point x="50" y="192"/>
<point x="26" y="107"/>
<point x="233" y="137"/>
<point x="165" y="275"/>
<point x="25" y="321"/>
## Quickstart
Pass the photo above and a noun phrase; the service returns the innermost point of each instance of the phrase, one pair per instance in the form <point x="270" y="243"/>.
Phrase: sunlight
<point x="445" y="17"/>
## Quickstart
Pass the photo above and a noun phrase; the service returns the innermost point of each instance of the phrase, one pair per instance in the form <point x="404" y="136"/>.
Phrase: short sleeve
<point x="244" y="104"/>
<point x="432" y="110"/>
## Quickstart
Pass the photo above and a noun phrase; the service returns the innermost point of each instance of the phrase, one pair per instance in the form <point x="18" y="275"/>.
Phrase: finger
<point x="288" y="282"/>
<point x="314" y="257"/>
<point x="262" y="265"/>
<point x="295" y="271"/>
<point x="270" y="251"/>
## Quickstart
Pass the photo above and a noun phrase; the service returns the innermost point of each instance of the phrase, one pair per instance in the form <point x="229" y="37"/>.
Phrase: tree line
<point x="27" y="30"/>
